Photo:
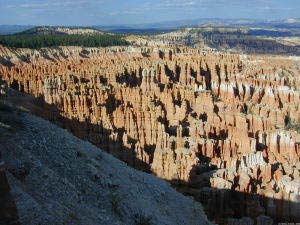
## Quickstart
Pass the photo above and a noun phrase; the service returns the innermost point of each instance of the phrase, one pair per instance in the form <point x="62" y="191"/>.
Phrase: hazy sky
<point x="107" y="12"/>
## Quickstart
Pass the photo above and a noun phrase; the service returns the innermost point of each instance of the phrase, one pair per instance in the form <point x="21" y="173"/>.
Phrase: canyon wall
<point x="209" y="121"/>
<point x="238" y="40"/>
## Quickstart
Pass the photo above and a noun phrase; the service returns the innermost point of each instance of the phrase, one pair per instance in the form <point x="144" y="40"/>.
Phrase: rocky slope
<point x="56" y="178"/>
<point x="223" y="125"/>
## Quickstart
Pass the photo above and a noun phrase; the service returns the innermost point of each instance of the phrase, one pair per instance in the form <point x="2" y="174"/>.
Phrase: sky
<point x="116" y="12"/>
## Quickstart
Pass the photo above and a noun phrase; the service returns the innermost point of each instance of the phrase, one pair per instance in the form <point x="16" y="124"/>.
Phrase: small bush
<point x="293" y="126"/>
<point x="99" y="157"/>
<point x="19" y="169"/>
<point x="141" y="219"/>
<point x="95" y="177"/>
<point x="250" y="109"/>
<point x="5" y="107"/>
<point x="215" y="97"/>
<point x="115" y="201"/>
<point x="80" y="154"/>
<point x="114" y="187"/>
<point x="10" y="117"/>
<point x="290" y="125"/>
<point x="73" y="216"/>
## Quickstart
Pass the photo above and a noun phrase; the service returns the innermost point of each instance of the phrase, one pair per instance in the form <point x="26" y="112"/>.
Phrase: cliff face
<point x="212" y="121"/>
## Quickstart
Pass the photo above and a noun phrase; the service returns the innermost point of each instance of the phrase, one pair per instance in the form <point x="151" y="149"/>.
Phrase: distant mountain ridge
<point x="215" y="22"/>
<point x="158" y="26"/>
<point x="11" y="29"/>
<point x="46" y="30"/>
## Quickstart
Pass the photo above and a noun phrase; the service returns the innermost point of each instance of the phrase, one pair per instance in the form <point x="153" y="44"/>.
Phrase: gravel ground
<point x="59" y="179"/>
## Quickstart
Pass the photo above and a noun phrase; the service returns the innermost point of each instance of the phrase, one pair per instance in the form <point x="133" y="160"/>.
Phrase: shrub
<point x="215" y="97"/>
<point x="290" y="125"/>
<point x="9" y="117"/>
<point x="115" y="201"/>
<point x="73" y="216"/>
<point x="141" y="219"/>
<point x="80" y="154"/>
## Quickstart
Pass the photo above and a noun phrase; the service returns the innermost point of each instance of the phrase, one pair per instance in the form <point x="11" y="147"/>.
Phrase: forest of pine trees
<point x="39" y="41"/>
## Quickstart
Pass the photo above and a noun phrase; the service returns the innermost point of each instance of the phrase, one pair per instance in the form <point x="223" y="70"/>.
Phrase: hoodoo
<point x="221" y="127"/>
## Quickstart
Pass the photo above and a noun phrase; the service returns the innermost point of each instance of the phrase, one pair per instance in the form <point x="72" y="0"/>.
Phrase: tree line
<point x="40" y="41"/>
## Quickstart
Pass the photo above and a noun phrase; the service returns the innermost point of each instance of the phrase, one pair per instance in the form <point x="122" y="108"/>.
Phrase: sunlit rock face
<point x="213" y="122"/>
